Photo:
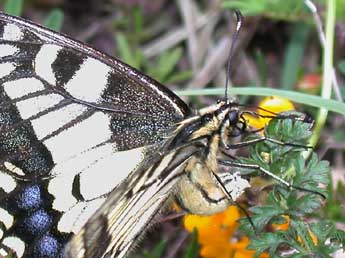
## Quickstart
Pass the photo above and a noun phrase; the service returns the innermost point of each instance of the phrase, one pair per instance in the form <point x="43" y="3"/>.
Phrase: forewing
<point x="70" y="73"/>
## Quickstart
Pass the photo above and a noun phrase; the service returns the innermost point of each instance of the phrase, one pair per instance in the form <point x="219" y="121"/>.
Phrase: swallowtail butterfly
<point x="90" y="148"/>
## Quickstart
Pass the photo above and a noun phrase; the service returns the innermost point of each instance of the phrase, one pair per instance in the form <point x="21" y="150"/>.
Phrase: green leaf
<point x="341" y="66"/>
<point x="138" y="19"/>
<point x="157" y="251"/>
<point x="276" y="9"/>
<point x="248" y="8"/>
<point x="126" y="54"/>
<point x="339" y="236"/>
<point x="293" y="55"/>
<point x="179" y="77"/>
<point x="304" y="234"/>
<point x="261" y="66"/>
<point x="165" y="64"/>
<point x="13" y="7"/>
<point x="323" y="230"/>
<point x="307" y="99"/>
<point x="268" y="242"/>
<point x="303" y="205"/>
<point x="192" y="248"/>
<point x="54" y="20"/>
<point x="263" y="215"/>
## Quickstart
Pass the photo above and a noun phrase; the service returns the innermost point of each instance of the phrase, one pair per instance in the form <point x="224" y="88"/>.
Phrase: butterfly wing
<point x="129" y="209"/>
<point x="71" y="118"/>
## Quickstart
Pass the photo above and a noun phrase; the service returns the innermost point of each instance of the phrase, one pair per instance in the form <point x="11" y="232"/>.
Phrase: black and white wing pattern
<point x="71" y="119"/>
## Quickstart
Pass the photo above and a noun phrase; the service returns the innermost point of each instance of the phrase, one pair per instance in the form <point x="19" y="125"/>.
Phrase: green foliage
<point x="339" y="237"/>
<point x="157" y="251"/>
<point x="13" y="7"/>
<point x="165" y="64"/>
<point x="341" y="66"/>
<point x="297" y="97"/>
<point x="54" y="20"/>
<point x="294" y="54"/>
<point x="281" y="9"/>
<point x="310" y="178"/>
<point x="127" y="54"/>
<point x="192" y="248"/>
<point x="334" y="207"/>
<point x="262" y="67"/>
<point x="163" y="69"/>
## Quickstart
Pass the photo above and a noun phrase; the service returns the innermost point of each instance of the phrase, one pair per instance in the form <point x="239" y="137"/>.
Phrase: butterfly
<point x="91" y="148"/>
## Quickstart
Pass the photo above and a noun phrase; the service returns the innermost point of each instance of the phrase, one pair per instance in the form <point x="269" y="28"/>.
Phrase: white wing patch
<point x="33" y="106"/>
<point x="82" y="136"/>
<point x="102" y="176"/>
<point x="15" y="244"/>
<point x="8" y="50"/>
<point x="89" y="81"/>
<point x="100" y="169"/>
<point x="13" y="169"/>
<point x="74" y="219"/>
<point x="44" y="60"/>
<point x="19" y="88"/>
<point x="12" y="32"/>
<point x="6" y="69"/>
<point x="235" y="184"/>
<point x="6" y="218"/>
<point x="7" y="183"/>
<point x="48" y="123"/>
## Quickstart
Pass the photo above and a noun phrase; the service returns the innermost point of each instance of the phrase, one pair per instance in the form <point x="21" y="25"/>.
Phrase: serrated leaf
<point x="339" y="236"/>
<point x="323" y="230"/>
<point x="268" y="242"/>
<point x="303" y="205"/>
<point x="304" y="235"/>
<point x="263" y="214"/>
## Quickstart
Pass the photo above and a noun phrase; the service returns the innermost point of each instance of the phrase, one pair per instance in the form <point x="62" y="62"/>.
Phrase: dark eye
<point x="207" y="118"/>
<point x="233" y="117"/>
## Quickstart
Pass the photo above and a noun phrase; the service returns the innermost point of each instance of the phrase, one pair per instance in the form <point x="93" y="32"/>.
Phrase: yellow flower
<point x="216" y="235"/>
<point x="269" y="106"/>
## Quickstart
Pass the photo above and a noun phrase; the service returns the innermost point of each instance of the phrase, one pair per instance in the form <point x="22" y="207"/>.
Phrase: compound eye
<point x="207" y="118"/>
<point x="233" y="117"/>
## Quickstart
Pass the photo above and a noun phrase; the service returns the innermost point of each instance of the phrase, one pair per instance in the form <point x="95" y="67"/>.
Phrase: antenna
<point x="239" y="19"/>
